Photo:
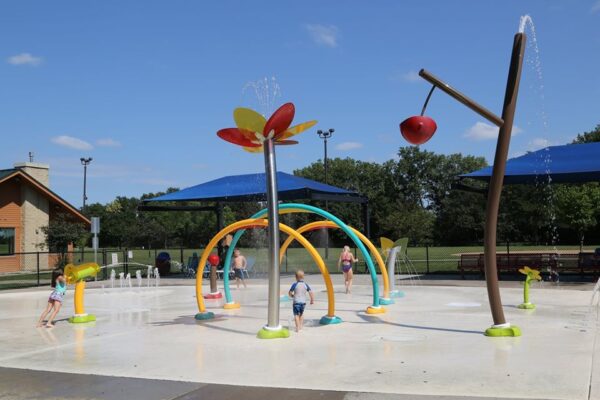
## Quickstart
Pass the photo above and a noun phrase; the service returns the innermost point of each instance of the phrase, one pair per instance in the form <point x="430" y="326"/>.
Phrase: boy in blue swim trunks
<point x="298" y="292"/>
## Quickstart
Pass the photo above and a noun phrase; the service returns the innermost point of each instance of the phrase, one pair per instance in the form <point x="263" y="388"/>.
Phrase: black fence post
<point x="181" y="254"/>
<point x="105" y="270"/>
<point x="38" y="268"/>
<point x="126" y="258"/>
<point x="427" y="256"/>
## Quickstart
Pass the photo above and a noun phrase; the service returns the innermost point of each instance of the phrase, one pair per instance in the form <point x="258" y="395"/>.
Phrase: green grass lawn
<point x="441" y="260"/>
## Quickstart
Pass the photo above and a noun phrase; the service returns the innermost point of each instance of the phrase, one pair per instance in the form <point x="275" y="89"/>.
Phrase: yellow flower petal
<point x="386" y="245"/>
<point x="248" y="119"/>
<point x="296" y="129"/>
<point x="253" y="149"/>
<point x="522" y="270"/>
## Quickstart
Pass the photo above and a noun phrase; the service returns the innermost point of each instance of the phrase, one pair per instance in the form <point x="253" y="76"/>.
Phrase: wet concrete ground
<point x="429" y="343"/>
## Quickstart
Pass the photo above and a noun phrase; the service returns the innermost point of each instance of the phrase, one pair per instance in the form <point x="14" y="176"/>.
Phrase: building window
<point x="7" y="241"/>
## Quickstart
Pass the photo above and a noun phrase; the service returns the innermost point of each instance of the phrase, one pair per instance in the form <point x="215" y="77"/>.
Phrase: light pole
<point x="325" y="135"/>
<point x="85" y="162"/>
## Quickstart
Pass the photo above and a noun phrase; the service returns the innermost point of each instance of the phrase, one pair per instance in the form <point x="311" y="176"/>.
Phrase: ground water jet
<point x="149" y="274"/>
<point x="113" y="275"/>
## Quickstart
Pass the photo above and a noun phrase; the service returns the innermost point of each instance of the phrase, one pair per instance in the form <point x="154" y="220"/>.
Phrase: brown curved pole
<point x="497" y="179"/>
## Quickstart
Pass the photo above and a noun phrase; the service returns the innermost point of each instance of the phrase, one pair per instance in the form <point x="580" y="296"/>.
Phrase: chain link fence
<point x="34" y="269"/>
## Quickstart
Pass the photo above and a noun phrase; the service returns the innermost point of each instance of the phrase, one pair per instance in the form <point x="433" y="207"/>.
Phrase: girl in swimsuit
<point x="345" y="262"/>
<point x="59" y="284"/>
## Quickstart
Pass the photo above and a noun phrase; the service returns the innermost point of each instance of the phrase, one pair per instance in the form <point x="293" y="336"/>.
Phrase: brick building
<point x="26" y="205"/>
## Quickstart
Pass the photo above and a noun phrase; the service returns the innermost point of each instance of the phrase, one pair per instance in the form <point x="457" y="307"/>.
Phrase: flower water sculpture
<point x="531" y="274"/>
<point x="255" y="133"/>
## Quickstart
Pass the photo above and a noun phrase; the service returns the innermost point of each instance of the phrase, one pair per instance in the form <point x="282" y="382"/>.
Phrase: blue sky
<point x="143" y="86"/>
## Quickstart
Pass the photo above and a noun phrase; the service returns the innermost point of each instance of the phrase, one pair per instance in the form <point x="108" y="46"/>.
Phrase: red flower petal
<point x="280" y="120"/>
<point x="236" y="136"/>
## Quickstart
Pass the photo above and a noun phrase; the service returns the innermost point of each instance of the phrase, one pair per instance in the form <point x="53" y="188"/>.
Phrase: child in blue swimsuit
<point x="298" y="292"/>
<point x="55" y="300"/>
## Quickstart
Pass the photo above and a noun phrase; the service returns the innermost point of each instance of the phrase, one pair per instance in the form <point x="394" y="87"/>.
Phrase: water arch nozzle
<point x="76" y="274"/>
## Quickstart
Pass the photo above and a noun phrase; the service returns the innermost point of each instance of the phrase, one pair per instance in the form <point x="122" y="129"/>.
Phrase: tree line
<point x="415" y="195"/>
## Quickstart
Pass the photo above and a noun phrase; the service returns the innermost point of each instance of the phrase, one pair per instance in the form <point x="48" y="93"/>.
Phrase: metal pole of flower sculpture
<point x="419" y="129"/>
<point x="254" y="133"/>
<point x="530" y="275"/>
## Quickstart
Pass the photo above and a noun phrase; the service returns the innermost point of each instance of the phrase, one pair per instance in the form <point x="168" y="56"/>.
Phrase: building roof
<point x="571" y="163"/>
<point x="252" y="187"/>
<point x="7" y="174"/>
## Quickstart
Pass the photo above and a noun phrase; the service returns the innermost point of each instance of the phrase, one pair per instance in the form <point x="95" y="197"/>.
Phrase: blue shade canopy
<point x="252" y="187"/>
<point x="571" y="163"/>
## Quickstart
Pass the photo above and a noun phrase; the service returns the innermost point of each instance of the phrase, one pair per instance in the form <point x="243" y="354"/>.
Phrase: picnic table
<point x="581" y="262"/>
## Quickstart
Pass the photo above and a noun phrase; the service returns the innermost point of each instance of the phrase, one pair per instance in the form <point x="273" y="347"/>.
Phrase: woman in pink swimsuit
<point x="345" y="262"/>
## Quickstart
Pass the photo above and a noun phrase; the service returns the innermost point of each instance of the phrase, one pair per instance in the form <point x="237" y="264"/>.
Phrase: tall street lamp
<point x="325" y="135"/>
<point x="85" y="162"/>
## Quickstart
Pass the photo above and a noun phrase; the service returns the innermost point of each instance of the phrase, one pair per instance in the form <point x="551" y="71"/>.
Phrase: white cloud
<point x="348" y="146"/>
<point x="596" y="7"/>
<point x="72" y="142"/>
<point x="482" y="131"/>
<point x="108" y="142"/>
<point x="323" y="35"/>
<point x="24" y="59"/>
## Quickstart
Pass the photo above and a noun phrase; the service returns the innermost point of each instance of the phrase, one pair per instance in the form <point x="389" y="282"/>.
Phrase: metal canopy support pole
<point x="273" y="329"/>
<point x="213" y="269"/>
<point x="366" y="219"/>
<point x="495" y="186"/>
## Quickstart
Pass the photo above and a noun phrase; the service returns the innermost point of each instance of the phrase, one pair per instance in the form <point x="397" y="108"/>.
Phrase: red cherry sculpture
<point x="418" y="129"/>
<point x="213" y="260"/>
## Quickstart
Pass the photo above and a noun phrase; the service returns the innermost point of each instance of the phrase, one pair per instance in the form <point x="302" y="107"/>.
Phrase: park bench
<point x="512" y="262"/>
<point x="470" y="263"/>
<point x="589" y="262"/>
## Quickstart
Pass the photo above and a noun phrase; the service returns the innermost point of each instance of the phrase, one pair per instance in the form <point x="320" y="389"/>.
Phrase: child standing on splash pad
<point x="298" y="292"/>
<point x="345" y="262"/>
<point x="56" y="297"/>
<point x="239" y="265"/>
